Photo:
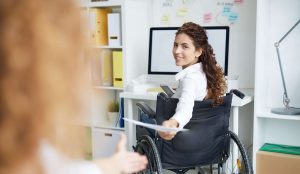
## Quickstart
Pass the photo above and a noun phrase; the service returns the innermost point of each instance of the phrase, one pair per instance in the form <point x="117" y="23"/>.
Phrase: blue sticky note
<point x="233" y="17"/>
<point x="226" y="10"/>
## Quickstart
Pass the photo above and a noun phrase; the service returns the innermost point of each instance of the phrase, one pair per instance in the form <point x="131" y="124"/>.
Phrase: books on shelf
<point x="114" y="29"/>
<point x="117" y="69"/>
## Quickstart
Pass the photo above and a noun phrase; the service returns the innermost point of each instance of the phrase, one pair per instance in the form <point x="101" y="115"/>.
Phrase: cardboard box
<point x="277" y="163"/>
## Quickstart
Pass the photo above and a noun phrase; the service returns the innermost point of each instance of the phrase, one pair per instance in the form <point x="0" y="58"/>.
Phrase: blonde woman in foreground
<point x="44" y="89"/>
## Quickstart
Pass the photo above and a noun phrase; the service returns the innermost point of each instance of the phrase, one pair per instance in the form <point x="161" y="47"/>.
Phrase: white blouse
<point x="55" y="163"/>
<point x="192" y="86"/>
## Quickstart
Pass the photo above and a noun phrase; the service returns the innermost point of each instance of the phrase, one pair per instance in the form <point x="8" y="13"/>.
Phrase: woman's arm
<point x="122" y="161"/>
<point x="184" y="109"/>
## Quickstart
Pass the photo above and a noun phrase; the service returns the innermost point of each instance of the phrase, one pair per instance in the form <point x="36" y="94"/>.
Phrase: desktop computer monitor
<point x="161" y="43"/>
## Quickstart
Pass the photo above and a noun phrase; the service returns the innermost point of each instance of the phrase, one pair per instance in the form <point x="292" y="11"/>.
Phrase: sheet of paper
<point x="154" y="126"/>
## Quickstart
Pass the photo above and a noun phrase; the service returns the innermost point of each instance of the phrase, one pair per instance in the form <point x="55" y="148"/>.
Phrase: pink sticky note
<point x="238" y="1"/>
<point x="207" y="17"/>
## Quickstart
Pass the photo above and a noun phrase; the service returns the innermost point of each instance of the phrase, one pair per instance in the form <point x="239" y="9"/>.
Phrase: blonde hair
<point x="42" y="77"/>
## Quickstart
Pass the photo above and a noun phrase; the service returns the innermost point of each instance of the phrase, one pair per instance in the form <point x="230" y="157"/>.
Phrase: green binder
<point x="294" y="150"/>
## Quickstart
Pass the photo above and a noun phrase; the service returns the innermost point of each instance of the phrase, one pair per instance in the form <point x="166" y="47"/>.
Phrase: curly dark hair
<point x="216" y="84"/>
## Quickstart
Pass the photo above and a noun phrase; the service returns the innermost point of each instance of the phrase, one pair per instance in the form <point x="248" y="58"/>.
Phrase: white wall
<point x="284" y="16"/>
<point x="242" y="30"/>
<point x="136" y="38"/>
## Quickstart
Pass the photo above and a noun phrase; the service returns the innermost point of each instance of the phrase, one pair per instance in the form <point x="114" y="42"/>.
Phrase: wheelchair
<point x="207" y="142"/>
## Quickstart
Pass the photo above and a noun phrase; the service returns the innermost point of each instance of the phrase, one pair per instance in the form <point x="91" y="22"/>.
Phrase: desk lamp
<point x="287" y="110"/>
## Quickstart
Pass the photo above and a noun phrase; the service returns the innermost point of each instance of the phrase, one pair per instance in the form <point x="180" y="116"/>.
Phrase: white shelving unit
<point x="134" y="32"/>
<point x="274" y="19"/>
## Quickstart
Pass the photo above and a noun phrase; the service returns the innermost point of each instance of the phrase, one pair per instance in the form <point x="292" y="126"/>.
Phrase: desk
<point x="130" y="96"/>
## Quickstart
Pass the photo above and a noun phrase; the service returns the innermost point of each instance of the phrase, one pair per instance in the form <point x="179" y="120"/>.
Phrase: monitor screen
<point x="161" y="59"/>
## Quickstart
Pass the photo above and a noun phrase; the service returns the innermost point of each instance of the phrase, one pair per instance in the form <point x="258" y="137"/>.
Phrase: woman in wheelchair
<point x="198" y="105"/>
<point x="201" y="77"/>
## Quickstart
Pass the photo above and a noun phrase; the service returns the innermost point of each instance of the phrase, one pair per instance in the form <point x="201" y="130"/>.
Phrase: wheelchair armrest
<point x="146" y="109"/>
<point x="238" y="93"/>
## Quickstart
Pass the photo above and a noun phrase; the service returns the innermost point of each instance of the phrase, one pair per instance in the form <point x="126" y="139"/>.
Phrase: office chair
<point x="207" y="141"/>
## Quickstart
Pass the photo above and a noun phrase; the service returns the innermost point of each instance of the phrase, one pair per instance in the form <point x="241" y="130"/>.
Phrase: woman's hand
<point x="169" y="135"/>
<point x="123" y="161"/>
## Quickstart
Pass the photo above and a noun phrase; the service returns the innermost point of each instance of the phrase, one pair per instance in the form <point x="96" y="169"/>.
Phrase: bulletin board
<point x="205" y="12"/>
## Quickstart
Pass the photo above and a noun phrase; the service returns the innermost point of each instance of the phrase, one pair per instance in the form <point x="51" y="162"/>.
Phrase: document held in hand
<point x="159" y="128"/>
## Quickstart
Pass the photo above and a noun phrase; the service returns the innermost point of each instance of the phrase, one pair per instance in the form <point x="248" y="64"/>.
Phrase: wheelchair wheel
<point x="147" y="147"/>
<point x="242" y="149"/>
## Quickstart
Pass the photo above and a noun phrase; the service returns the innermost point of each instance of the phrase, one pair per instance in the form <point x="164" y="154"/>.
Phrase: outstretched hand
<point x="123" y="161"/>
<point x="169" y="135"/>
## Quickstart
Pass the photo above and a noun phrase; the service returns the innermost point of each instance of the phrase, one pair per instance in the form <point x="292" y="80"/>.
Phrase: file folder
<point x="114" y="29"/>
<point x="106" y="68"/>
<point x="117" y="69"/>
<point x="99" y="25"/>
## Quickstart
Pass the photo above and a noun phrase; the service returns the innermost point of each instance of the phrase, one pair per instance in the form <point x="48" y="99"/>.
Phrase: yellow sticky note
<point x="181" y="12"/>
<point x="165" y="19"/>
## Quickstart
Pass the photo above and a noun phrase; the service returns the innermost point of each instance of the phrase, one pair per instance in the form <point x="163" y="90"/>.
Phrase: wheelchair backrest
<point x="208" y="125"/>
<point x="166" y="106"/>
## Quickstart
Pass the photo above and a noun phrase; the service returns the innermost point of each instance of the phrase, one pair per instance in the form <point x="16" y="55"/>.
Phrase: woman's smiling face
<point x="184" y="51"/>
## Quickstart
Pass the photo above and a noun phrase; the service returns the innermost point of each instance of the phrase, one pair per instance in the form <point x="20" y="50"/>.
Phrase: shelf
<point x="110" y="128"/>
<point x="266" y="113"/>
<point x="107" y="125"/>
<point x="108" y="88"/>
<point x="110" y="3"/>
<point x="108" y="47"/>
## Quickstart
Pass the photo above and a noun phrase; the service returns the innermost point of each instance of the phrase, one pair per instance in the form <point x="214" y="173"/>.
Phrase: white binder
<point x="114" y="29"/>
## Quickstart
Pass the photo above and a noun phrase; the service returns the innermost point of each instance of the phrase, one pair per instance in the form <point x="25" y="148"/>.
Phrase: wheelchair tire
<point x="242" y="149"/>
<point x="146" y="146"/>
